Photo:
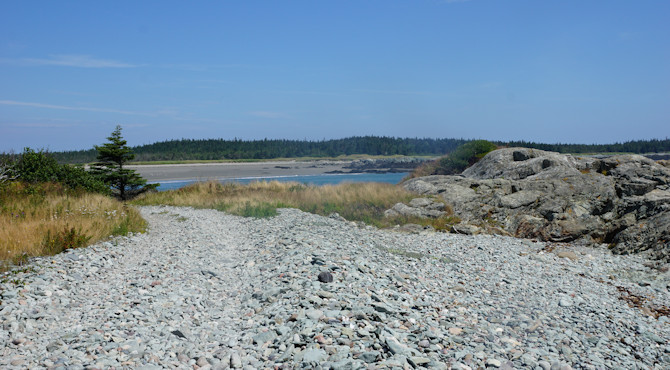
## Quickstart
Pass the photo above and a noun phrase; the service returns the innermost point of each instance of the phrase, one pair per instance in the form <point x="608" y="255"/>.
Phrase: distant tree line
<point x="636" y="147"/>
<point x="218" y="149"/>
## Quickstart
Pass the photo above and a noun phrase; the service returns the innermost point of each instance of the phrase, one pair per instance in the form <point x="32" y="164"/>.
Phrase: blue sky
<point x="548" y="71"/>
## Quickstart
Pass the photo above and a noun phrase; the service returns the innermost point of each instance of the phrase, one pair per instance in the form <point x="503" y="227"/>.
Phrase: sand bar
<point x="220" y="171"/>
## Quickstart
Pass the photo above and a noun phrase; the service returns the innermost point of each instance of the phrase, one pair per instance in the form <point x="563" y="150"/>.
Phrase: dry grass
<point x="425" y="169"/>
<point x="356" y="202"/>
<point x="47" y="218"/>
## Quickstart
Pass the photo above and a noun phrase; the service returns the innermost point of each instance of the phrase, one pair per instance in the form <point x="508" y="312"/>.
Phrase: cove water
<point x="325" y="179"/>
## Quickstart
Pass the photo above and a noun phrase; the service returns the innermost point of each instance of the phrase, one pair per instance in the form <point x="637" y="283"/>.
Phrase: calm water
<point x="391" y="178"/>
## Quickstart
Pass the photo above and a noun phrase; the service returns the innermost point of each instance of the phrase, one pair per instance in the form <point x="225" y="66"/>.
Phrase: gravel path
<point x="203" y="289"/>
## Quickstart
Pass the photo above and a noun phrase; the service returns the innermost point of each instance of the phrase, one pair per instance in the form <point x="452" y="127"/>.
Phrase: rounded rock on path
<point x="235" y="361"/>
<point x="314" y="355"/>
<point x="567" y="254"/>
<point x="565" y="302"/>
<point x="202" y="361"/>
<point x="492" y="362"/>
<point x="455" y="331"/>
<point x="325" y="277"/>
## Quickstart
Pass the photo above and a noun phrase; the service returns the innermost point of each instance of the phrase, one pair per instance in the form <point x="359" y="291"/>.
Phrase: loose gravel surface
<point x="203" y="289"/>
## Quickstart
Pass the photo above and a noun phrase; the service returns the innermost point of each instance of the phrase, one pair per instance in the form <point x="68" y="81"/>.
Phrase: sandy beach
<point x="219" y="171"/>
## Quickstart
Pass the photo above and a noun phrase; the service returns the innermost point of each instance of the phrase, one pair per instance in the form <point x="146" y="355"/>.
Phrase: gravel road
<point x="202" y="289"/>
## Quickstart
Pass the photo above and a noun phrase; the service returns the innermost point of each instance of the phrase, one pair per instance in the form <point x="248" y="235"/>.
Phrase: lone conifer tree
<point x="111" y="158"/>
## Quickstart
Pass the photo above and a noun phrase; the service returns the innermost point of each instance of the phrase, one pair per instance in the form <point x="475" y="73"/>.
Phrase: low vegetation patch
<point x="47" y="207"/>
<point x="456" y="162"/>
<point x="364" y="202"/>
<point x="47" y="218"/>
<point x="36" y="167"/>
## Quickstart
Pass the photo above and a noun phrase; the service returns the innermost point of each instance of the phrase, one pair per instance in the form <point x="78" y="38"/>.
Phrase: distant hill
<point x="220" y="149"/>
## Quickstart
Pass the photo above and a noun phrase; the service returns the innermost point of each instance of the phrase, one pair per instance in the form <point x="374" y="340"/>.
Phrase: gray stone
<point x="369" y="357"/>
<point x="314" y="314"/>
<point x="345" y="364"/>
<point x="465" y="229"/>
<point x="325" y="277"/>
<point x="264" y="337"/>
<point x="395" y="347"/>
<point x="492" y="362"/>
<point x="380" y="307"/>
<point x="9" y="294"/>
<point x="314" y="356"/>
<point x="565" y="302"/>
<point x="418" y="360"/>
<point x="235" y="360"/>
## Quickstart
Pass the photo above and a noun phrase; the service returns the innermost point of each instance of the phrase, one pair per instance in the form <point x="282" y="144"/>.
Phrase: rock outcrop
<point x="622" y="200"/>
<point x="418" y="207"/>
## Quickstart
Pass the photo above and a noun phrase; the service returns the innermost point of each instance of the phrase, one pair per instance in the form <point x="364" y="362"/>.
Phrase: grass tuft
<point x="261" y="210"/>
<point x="56" y="242"/>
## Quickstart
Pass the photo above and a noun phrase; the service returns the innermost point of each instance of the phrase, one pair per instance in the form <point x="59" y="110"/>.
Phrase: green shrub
<point x="464" y="156"/>
<point x="40" y="167"/>
<point x="35" y="167"/>
<point x="456" y="162"/>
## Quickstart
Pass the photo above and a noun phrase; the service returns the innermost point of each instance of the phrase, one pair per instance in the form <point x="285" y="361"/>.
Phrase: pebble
<point x="565" y="302"/>
<point x="325" y="277"/>
<point x="235" y="360"/>
<point x="493" y="363"/>
<point x="304" y="291"/>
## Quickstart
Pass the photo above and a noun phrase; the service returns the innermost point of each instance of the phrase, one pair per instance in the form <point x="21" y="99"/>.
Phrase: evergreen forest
<point x="236" y="149"/>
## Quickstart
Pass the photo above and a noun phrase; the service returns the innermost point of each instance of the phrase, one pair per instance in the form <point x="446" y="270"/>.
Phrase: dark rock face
<point x="623" y="200"/>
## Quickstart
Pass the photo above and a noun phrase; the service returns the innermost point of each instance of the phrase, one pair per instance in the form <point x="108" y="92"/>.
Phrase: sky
<point x="569" y="71"/>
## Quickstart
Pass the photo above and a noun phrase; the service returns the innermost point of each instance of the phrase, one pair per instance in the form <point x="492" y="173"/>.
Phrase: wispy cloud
<point x="403" y="92"/>
<point x="69" y="60"/>
<point x="265" y="114"/>
<point x="43" y="125"/>
<point x="170" y="113"/>
<point x="65" y="107"/>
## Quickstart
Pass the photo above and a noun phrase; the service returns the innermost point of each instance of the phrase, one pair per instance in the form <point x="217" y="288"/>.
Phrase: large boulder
<point x="521" y="163"/>
<point x="622" y="200"/>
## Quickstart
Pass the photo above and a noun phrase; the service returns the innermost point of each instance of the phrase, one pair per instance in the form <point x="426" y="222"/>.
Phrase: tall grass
<point x="355" y="202"/>
<point x="47" y="218"/>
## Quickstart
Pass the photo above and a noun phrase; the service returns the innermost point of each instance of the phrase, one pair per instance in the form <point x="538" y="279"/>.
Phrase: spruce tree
<point x="112" y="156"/>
